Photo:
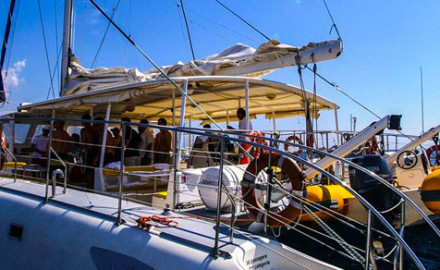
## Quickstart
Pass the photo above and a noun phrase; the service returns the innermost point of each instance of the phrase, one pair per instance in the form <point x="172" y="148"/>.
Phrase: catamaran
<point x="165" y="216"/>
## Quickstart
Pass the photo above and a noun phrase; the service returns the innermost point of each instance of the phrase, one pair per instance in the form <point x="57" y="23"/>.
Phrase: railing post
<point x="65" y="168"/>
<point x="268" y="189"/>
<point x="48" y="157"/>
<point x="402" y="232"/>
<point x="121" y="177"/>
<point x="215" y="251"/>
<point x="368" y="245"/>
<point x="175" y="169"/>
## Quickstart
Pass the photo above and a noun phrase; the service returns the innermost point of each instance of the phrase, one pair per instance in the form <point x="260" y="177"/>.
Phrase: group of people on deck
<point x="143" y="146"/>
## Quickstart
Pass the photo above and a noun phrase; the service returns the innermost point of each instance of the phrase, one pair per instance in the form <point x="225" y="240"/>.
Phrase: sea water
<point x="421" y="238"/>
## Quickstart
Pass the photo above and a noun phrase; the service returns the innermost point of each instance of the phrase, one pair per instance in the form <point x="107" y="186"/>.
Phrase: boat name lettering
<point x="373" y="168"/>
<point x="209" y="180"/>
<point x="259" y="261"/>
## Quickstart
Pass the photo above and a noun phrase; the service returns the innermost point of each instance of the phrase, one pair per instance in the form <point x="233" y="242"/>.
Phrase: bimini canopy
<point x="219" y="96"/>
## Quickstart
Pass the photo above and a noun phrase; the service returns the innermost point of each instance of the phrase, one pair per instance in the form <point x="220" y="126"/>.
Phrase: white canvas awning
<point x="219" y="96"/>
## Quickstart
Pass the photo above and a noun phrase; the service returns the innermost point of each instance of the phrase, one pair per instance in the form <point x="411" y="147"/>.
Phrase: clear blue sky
<point x="386" y="43"/>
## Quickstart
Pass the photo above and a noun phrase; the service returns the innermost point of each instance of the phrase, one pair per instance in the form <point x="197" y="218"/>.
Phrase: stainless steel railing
<point x="403" y="247"/>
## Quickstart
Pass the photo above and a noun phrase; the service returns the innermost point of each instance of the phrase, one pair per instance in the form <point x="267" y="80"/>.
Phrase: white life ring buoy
<point x="295" y="174"/>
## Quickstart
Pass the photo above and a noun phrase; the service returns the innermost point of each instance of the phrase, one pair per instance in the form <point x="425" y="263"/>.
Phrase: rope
<point x="156" y="221"/>
<point x="332" y="233"/>
<point x="243" y="20"/>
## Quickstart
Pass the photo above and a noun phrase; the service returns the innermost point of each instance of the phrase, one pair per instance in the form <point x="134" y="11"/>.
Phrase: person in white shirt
<point x="146" y="146"/>
<point x="39" y="146"/>
<point x="242" y="120"/>
<point x="241" y="114"/>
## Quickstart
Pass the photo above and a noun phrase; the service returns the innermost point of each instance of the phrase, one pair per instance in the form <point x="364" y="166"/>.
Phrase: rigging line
<point x="155" y="65"/>
<point x="187" y="30"/>
<point x="340" y="90"/>
<point x="60" y="49"/>
<point x="355" y="101"/>
<point x="124" y="51"/>
<point x="243" y="20"/>
<point x="209" y="30"/>
<point x="181" y="26"/>
<point x="221" y="25"/>
<point x="333" y="21"/>
<point x="105" y="35"/>
<point x="12" y="37"/>
<point x="45" y="44"/>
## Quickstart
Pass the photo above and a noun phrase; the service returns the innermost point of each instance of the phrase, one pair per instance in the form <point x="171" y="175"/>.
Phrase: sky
<point x="386" y="43"/>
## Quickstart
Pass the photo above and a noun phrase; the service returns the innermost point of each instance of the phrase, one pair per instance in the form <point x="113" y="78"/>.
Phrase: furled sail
<point x="238" y="60"/>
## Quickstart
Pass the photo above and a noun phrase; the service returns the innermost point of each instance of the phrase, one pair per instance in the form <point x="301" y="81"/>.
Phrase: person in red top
<point x="3" y="151"/>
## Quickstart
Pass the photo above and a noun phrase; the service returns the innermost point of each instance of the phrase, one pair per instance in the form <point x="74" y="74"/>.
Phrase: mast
<point x="421" y="94"/>
<point x="67" y="39"/>
<point x="5" y="44"/>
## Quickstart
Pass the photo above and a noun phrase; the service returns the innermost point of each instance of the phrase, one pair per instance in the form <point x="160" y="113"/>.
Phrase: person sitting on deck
<point x="110" y="143"/>
<point x="39" y="147"/>
<point x="162" y="146"/>
<point x="132" y="141"/>
<point x="60" y="140"/>
<point x="74" y="152"/>
<point x="89" y="147"/>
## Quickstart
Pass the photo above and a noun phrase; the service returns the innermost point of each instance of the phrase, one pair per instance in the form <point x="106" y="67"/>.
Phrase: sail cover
<point x="238" y="60"/>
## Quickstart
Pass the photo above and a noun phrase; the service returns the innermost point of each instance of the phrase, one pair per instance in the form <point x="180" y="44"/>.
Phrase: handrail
<point x="65" y="168"/>
<point x="398" y="236"/>
<point x="15" y="161"/>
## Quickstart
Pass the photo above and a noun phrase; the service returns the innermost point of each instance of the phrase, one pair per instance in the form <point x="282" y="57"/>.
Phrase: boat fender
<point x="294" y="139"/>
<point x="326" y="196"/>
<point x="430" y="192"/>
<point x="248" y="188"/>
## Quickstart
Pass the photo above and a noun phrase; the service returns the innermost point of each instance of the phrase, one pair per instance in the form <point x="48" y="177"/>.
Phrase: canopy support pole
<point x="104" y="136"/>
<point x="337" y="127"/>
<point x="178" y="146"/>
<point x="274" y="121"/>
<point x="247" y="104"/>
